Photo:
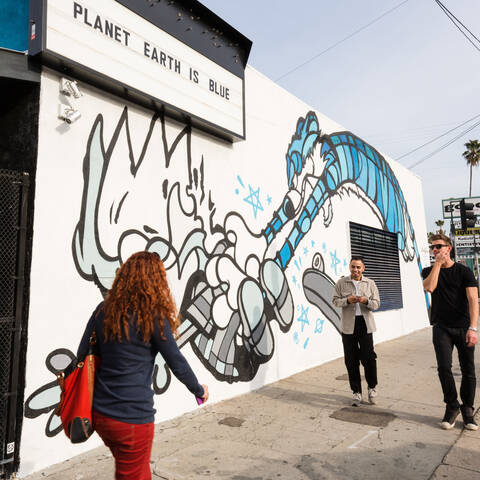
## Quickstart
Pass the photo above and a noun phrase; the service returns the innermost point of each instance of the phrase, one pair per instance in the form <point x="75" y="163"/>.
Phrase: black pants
<point x="358" y="347"/>
<point x="444" y="339"/>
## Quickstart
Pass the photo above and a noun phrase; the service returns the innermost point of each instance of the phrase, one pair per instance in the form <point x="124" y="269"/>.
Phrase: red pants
<point x="130" y="444"/>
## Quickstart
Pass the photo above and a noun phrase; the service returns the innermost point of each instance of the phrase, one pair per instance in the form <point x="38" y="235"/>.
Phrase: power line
<point x="340" y="41"/>
<point x="450" y="13"/>
<point x="456" y="21"/>
<point x="436" y="138"/>
<point x="431" y="154"/>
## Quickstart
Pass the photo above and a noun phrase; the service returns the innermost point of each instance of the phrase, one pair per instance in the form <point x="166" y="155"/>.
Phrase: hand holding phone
<point x="352" y="299"/>
<point x="203" y="399"/>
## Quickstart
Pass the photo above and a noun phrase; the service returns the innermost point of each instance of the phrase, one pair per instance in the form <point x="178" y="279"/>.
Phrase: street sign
<point x="466" y="241"/>
<point x="465" y="252"/>
<point x="451" y="207"/>
<point x="468" y="231"/>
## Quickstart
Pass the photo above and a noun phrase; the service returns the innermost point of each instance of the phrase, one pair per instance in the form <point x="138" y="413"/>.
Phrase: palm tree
<point x="439" y="224"/>
<point x="472" y="156"/>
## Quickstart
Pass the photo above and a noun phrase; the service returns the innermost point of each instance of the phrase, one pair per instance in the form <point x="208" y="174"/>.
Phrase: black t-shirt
<point x="449" y="299"/>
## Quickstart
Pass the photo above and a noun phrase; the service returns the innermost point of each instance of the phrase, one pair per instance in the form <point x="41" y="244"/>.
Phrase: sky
<point x="402" y="81"/>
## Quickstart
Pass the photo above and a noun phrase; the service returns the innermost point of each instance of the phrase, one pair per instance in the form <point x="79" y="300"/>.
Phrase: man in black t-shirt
<point x="454" y="318"/>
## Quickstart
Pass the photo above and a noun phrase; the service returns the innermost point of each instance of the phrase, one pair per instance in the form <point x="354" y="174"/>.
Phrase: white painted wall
<point x="61" y="300"/>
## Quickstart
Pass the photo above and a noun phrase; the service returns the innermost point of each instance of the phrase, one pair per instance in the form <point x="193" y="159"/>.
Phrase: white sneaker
<point x="372" y="396"/>
<point x="356" y="399"/>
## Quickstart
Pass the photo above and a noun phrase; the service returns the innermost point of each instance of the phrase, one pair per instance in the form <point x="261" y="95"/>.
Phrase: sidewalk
<point x="303" y="428"/>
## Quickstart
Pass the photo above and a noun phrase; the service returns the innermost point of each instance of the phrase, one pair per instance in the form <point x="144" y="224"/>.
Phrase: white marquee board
<point x="115" y="42"/>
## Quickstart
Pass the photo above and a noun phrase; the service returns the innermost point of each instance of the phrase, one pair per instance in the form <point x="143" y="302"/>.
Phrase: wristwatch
<point x="473" y="329"/>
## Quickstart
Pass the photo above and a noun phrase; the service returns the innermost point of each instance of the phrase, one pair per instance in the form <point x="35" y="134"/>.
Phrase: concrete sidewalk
<point x="303" y="428"/>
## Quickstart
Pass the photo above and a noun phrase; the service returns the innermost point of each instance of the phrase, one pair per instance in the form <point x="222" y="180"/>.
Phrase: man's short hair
<point x="441" y="236"/>
<point x="357" y="257"/>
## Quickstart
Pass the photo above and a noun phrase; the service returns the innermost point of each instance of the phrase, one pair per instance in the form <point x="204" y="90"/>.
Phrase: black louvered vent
<point x="379" y="250"/>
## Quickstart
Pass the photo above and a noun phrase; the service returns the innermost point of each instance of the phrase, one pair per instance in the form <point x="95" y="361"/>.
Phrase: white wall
<point x="63" y="293"/>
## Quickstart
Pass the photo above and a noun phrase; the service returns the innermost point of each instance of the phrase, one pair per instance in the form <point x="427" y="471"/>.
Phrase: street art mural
<point x="236" y="282"/>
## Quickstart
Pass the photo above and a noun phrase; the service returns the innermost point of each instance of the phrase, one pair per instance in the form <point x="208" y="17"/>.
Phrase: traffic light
<point x="466" y="214"/>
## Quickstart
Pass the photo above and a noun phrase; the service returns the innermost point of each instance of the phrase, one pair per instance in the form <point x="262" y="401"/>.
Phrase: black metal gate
<point x="13" y="220"/>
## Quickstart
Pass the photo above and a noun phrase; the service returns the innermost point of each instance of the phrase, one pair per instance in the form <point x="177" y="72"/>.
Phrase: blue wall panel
<point x="14" y="24"/>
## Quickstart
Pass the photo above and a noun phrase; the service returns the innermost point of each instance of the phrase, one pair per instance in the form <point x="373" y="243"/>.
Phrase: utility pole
<point x="452" y="231"/>
<point x="475" y="257"/>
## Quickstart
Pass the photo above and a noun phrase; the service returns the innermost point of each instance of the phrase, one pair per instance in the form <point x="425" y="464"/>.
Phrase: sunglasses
<point x="439" y="246"/>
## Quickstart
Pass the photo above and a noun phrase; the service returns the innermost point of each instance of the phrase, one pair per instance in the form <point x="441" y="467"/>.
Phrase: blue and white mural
<point x="321" y="166"/>
<point x="237" y="281"/>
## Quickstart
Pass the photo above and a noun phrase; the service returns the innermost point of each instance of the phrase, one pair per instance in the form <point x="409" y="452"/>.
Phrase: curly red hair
<point x="140" y="291"/>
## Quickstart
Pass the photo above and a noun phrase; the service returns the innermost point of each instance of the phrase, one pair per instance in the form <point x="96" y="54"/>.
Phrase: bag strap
<point x="92" y="344"/>
<point x="92" y="348"/>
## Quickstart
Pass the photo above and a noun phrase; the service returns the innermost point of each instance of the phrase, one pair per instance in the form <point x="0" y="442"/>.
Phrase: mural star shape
<point x="303" y="318"/>
<point x="254" y="200"/>
<point x="335" y="261"/>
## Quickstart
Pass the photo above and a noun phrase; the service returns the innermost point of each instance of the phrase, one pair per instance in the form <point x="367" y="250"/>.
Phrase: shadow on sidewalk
<point x="371" y="460"/>
<point x="335" y="401"/>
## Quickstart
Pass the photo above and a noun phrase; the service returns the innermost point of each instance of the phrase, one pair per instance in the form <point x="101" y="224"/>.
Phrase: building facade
<point x="255" y="209"/>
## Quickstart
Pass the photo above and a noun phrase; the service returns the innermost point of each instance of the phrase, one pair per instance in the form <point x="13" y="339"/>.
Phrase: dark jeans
<point x="444" y="339"/>
<point x="358" y="347"/>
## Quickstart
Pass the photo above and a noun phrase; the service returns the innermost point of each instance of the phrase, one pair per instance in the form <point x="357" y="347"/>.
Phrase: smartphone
<point x="199" y="400"/>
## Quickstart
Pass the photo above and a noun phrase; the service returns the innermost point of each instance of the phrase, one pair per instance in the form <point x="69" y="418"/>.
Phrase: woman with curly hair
<point x="137" y="320"/>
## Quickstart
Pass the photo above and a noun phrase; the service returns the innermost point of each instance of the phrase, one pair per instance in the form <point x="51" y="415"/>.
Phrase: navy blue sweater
<point x="123" y="382"/>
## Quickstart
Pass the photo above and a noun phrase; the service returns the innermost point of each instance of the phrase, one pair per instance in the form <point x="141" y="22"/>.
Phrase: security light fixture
<point x="68" y="114"/>
<point x="70" y="88"/>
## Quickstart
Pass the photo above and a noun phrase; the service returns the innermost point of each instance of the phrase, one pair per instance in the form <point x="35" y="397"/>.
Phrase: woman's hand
<point x="205" y="393"/>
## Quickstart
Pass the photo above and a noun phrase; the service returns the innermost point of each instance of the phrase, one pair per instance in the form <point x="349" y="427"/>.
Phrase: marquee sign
<point x="113" y="45"/>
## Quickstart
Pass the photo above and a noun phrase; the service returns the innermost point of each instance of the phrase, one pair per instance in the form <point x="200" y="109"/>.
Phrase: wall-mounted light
<point x="68" y="114"/>
<point x="70" y="88"/>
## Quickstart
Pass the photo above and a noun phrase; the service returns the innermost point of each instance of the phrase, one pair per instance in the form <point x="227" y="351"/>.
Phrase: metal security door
<point x="13" y="220"/>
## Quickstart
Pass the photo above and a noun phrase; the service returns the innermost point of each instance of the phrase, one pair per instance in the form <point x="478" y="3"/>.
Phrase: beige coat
<point x="366" y="288"/>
